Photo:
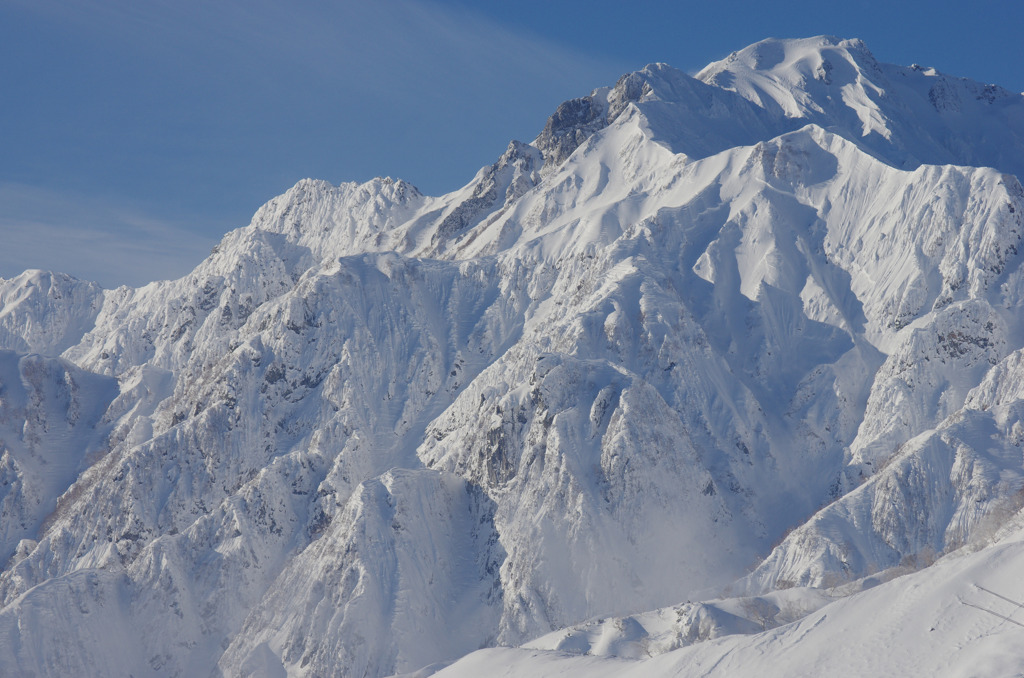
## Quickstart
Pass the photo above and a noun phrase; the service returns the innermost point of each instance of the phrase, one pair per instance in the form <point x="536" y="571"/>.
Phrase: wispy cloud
<point x="366" y="56"/>
<point x="211" y="107"/>
<point x="92" y="238"/>
<point x="323" y="37"/>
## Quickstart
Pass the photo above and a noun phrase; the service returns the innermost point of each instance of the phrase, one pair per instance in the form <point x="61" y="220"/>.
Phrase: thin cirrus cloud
<point x="394" y="70"/>
<point x="195" y="113"/>
<point x="92" y="238"/>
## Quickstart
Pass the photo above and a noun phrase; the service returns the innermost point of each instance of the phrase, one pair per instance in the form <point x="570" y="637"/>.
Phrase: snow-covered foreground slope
<point x="960" y="617"/>
<point x="707" y="336"/>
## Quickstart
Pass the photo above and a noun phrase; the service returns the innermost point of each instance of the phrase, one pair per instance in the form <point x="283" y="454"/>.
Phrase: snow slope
<point x="959" y="617"/>
<point x="51" y="430"/>
<point x="904" y="115"/>
<point x="755" y="333"/>
<point x="42" y="312"/>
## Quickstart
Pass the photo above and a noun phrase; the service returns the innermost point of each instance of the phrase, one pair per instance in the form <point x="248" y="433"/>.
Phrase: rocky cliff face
<point x="376" y="430"/>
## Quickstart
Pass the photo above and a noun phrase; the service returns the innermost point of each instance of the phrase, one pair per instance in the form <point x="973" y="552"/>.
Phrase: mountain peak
<point x="795" y="77"/>
<point x="907" y="116"/>
<point x="45" y="312"/>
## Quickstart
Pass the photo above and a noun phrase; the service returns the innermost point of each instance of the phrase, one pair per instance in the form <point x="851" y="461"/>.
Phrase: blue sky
<point x="137" y="133"/>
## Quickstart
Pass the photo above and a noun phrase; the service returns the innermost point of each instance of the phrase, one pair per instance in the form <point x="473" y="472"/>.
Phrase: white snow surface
<point x="46" y="313"/>
<point x="958" y="618"/>
<point x="750" y="340"/>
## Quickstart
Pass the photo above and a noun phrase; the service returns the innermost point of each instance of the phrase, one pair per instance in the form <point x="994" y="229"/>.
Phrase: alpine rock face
<point x="752" y="338"/>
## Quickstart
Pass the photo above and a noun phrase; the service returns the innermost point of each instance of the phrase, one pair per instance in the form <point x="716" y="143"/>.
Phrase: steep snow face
<point x="42" y="312"/>
<point x="418" y="579"/>
<point x="376" y="430"/>
<point x="485" y="199"/>
<point x="205" y="499"/>
<point x="793" y="323"/>
<point x="50" y="432"/>
<point x="952" y="483"/>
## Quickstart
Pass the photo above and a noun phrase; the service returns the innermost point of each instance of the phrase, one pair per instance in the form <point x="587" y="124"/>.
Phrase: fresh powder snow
<point x="719" y="375"/>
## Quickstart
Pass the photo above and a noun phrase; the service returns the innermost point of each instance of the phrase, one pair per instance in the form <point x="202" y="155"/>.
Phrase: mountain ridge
<point x="676" y="325"/>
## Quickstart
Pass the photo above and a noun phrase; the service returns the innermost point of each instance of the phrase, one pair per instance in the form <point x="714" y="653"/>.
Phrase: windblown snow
<point x="716" y="376"/>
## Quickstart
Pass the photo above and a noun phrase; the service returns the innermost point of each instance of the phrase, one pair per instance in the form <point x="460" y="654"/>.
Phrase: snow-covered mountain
<point x="751" y="339"/>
